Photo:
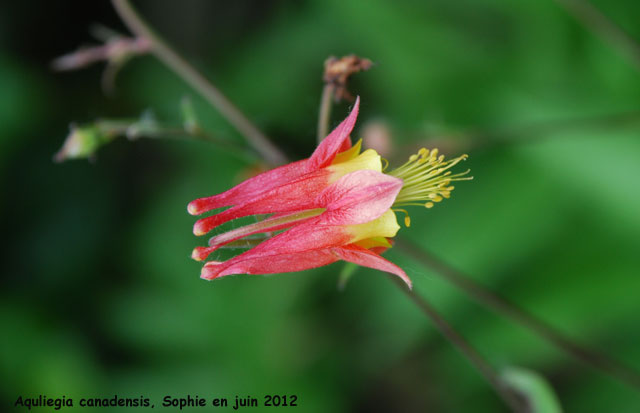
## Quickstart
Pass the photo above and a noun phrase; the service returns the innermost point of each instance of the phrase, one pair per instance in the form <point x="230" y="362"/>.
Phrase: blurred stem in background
<point x="336" y="76"/>
<point x="116" y="50"/>
<point x="85" y="140"/>
<point x="325" y="111"/>
<point x="503" y="306"/>
<point x="481" y="138"/>
<point x="189" y="74"/>
<point x="507" y="395"/>
<point x="602" y="26"/>
<point x="274" y="157"/>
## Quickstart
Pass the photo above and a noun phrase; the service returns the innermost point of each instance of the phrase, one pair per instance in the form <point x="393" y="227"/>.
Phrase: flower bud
<point x="82" y="142"/>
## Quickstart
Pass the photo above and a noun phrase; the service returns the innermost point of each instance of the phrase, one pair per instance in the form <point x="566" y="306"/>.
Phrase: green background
<point x="99" y="295"/>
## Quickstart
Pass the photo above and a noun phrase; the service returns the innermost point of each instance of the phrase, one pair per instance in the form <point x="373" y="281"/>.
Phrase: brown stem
<point x="475" y="358"/>
<point x="324" y="117"/>
<point x="503" y="306"/>
<point x="456" y="339"/>
<point x="604" y="27"/>
<point x="538" y="131"/>
<point x="189" y="74"/>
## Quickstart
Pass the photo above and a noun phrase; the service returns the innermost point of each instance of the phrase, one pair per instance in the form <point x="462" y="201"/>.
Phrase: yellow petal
<point x="385" y="226"/>
<point x="368" y="159"/>
<point x="349" y="154"/>
<point x="374" y="242"/>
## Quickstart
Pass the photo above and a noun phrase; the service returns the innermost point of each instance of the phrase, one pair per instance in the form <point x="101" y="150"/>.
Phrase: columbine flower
<point x="336" y="205"/>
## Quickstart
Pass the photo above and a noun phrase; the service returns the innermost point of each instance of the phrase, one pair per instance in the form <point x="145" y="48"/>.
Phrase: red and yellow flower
<point x="336" y="205"/>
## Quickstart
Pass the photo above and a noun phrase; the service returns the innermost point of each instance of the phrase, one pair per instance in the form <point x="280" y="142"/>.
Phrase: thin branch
<point x="604" y="27"/>
<point x="189" y="74"/>
<point x="337" y="72"/>
<point x="85" y="140"/>
<point x="540" y="130"/>
<point x="475" y="358"/>
<point x="114" y="50"/>
<point x="452" y="335"/>
<point x="324" y="116"/>
<point x="504" y="307"/>
<point x="472" y="139"/>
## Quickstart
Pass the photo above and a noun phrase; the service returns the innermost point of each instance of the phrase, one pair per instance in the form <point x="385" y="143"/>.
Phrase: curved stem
<point x="596" y="21"/>
<point x="540" y="131"/>
<point x="324" y="117"/>
<point x="504" y="307"/>
<point x="189" y="74"/>
<point x="487" y="371"/>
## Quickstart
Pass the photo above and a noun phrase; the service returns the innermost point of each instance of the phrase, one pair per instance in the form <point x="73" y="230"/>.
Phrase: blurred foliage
<point x="533" y="388"/>
<point x="100" y="297"/>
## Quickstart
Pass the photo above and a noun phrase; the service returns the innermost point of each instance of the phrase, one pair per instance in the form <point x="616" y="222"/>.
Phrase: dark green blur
<point x="99" y="295"/>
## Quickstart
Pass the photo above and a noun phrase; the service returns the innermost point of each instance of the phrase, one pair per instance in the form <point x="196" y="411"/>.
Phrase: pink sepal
<point x="367" y="258"/>
<point x="297" y="195"/>
<point x="250" y="188"/>
<point x="358" y="197"/>
<point x="337" y="141"/>
<point x="272" y="264"/>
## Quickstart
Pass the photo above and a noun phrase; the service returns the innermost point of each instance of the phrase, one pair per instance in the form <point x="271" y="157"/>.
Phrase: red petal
<point x="293" y="196"/>
<point x="291" y="261"/>
<point x="303" y="237"/>
<point x="285" y="262"/>
<point x="307" y="237"/>
<point x="358" y="197"/>
<point x="274" y="223"/>
<point x="337" y="141"/>
<point x="366" y="258"/>
<point x="250" y="188"/>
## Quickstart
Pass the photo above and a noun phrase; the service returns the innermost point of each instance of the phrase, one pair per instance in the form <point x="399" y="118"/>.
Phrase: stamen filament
<point x="426" y="177"/>
<point x="407" y="218"/>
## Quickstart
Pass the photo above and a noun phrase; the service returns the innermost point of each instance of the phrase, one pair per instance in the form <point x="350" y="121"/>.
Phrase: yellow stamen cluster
<point x="426" y="179"/>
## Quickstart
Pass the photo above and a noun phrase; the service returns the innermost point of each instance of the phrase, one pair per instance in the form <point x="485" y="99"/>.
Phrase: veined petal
<point x="358" y="197"/>
<point x="366" y="258"/>
<point x="355" y="198"/>
<point x="337" y="141"/>
<point x="251" y="188"/>
<point x="312" y="235"/>
<point x="296" y="195"/>
<point x="274" y="223"/>
<point x="303" y="240"/>
<point x="286" y="261"/>
<point x="272" y="264"/>
<point x="306" y="236"/>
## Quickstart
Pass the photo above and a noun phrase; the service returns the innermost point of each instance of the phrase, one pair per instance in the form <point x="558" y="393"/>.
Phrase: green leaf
<point x="345" y="275"/>
<point x="534" y="388"/>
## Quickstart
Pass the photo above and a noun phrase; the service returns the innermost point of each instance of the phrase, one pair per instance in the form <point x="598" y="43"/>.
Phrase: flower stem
<point x="603" y="27"/>
<point x="271" y="154"/>
<point x="504" y="307"/>
<point x="458" y="341"/>
<point x="447" y="330"/>
<point x="324" y="117"/>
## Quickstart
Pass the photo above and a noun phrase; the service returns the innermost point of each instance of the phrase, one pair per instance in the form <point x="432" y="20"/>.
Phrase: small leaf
<point x="345" y="275"/>
<point x="533" y="387"/>
<point x="189" y="118"/>
<point x="81" y="143"/>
